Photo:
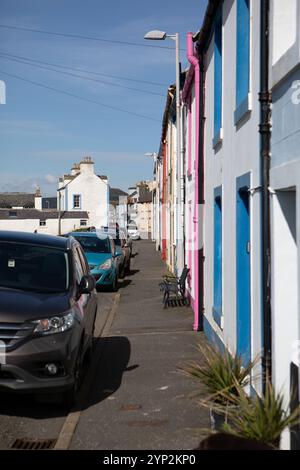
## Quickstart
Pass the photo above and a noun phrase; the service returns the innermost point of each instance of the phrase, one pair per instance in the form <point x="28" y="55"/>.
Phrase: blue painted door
<point x="243" y="269"/>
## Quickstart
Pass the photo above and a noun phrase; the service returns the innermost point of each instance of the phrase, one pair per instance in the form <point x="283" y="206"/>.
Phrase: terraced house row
<point x="234" y="184"/>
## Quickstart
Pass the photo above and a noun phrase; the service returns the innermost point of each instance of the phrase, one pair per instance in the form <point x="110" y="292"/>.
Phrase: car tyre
<point x="70" y="395"/>
<point x="128" y="267"/>
<point x="122" y="272"/>
<point x="115" y="284"/>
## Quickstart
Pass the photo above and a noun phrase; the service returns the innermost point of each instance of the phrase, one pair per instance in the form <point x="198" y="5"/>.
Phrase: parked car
<point x="103" y="257"/>
<point x="133" y="231"/>
<point x="128" y="242"/>
<point x="48" y="307"/>
<point x="122" y="242"/>
<point x="122" y="250"/>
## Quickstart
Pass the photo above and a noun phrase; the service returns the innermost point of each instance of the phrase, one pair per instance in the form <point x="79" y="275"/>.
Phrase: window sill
<point x="218" y="317"/>
<point x="243" y="110"/>
<point x="218" y="139"/>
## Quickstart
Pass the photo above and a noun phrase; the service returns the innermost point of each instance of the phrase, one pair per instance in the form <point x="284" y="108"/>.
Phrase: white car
<point x="133" y="231"/>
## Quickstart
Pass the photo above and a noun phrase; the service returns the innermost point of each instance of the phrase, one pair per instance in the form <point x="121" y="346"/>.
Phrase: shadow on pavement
<point x="105" y="376"/>
<point x="133" y="272"/>
<point x="26" y="406"/>
<point x="102" y="378"/>
<point x="124" y="283"/>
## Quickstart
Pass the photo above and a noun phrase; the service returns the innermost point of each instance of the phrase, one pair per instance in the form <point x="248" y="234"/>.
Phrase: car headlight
<point x="56" y="324"/>
<point x="105" y="265"/>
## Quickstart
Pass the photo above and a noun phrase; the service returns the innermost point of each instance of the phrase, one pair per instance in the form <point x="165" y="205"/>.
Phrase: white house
<point x="23" y="212"/>
<point x="285" y="196"/>
<point x="83" y="190"/>
<point x="140" y="207"/>
<point x="229" y="45"/>
<point x="46" y="221"/>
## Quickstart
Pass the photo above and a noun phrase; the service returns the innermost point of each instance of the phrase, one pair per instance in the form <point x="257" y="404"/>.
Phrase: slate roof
<point x="23" y="214"/>
<point x="49" y="203"/>
<point x="8" y="200"/>
<point x="114" y="194"/>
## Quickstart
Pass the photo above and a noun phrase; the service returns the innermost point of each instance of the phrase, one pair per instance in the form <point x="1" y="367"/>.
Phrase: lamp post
<point x="156" y="35"/>
<point x="59" y="209"/>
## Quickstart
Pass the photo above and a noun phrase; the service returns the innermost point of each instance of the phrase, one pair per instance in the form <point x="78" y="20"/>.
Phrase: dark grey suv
<point x="48" y="306"/>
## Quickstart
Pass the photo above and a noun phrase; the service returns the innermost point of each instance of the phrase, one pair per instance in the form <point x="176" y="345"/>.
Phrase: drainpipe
<point x="201" y="187"/>
<point x="194" y="61"/>
<point x="265" y="99"/>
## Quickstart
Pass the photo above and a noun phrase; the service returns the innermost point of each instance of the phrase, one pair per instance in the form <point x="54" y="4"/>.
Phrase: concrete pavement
<point x="138" y="398"/>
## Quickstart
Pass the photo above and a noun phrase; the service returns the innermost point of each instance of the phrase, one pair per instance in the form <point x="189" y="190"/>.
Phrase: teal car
<point x="102" y="256"/>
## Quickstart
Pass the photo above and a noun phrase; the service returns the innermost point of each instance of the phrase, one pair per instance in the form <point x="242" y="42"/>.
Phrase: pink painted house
<point x="193" y="176"/>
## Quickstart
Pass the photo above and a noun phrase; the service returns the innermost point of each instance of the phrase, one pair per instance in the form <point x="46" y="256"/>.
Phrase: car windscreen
<point x="33" y="268"/>
<point x="94" y="244"/>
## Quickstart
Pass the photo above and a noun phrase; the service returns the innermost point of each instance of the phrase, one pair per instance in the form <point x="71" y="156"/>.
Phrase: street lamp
<point x="153" y="155"/>
<point x="59" y="209"/>
<point x="157" y="35"/>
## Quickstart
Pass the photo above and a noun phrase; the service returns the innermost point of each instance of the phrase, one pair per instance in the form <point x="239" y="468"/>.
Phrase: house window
<point x="242" y="58"/>
<point x="83" y="223"/>
<point x="217" y="308"/>
<point x="12" y="214"/>
<point x="76" y="201"/>
<point x="42" y="223"/>
<point x="218" y="79"/>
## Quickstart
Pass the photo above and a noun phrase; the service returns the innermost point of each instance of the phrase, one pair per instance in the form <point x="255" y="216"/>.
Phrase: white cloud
<point x="51" y="179"/>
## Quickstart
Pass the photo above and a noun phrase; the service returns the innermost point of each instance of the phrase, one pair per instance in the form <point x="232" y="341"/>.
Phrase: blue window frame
<point x="218" y="59"/>
<point x="242" y="57"/>
<point x="217" y="308"/>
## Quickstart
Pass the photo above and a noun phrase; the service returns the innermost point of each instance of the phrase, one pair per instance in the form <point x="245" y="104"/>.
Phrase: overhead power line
<point x="77" y="36"/>
<point x="80" y="76"/>
<point x="77" y="69"/>
<point x="73" y="95"/>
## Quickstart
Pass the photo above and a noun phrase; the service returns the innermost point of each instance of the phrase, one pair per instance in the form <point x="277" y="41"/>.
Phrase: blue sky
<point x="42" y="132"/>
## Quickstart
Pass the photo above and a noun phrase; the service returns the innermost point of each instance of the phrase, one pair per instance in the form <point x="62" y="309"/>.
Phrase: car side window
<point x="113" y="246"/>
<point x="84" y="263"/>
<point x="78" y="266"/>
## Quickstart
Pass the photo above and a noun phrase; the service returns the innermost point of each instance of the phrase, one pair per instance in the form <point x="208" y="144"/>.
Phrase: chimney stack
<point x="38" y="199"/>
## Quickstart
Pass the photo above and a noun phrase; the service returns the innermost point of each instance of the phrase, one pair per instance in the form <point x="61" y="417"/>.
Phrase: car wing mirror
<point x="87" y="284"/>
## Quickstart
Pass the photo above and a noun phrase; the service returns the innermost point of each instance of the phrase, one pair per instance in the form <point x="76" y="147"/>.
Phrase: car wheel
<point x="69" y="397"/>
<point x="89" y="354"/>
<point x="128" y="267"/>
<point x="122" y="272"/>
<point x="115" y="284"/>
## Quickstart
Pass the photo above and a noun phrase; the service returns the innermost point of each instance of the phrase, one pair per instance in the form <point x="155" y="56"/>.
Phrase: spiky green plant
<point x="220" y="372"/>
<point x="260" y="418"/>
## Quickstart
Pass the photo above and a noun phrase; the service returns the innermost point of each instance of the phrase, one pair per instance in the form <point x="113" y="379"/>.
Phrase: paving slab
<point x="139" y="398"/>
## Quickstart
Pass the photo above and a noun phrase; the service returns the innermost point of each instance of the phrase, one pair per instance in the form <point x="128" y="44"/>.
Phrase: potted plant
<point x="261" y="418"/>
<point x="220" y="372"/>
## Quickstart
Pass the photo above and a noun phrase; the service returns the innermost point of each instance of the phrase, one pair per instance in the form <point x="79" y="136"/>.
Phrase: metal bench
<point x="174" y="289"/>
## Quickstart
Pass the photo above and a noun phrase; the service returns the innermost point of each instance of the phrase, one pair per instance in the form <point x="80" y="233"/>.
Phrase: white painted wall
<point x="94" y="194"/>
<point x="284" y="175"/>
<point x="284" y="291"/>
<point x="30" y="225"/>
<point x="285" y="27"/>
<point x="238" y="155"/>
<point x="284" y="38"/>
<point x="191" y="195"/>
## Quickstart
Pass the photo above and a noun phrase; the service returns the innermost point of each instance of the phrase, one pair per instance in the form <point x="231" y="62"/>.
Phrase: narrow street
<point x="133" y="396"/>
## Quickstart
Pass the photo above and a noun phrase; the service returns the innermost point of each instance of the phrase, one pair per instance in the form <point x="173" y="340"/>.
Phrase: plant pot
<point x="218" y="417"/>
